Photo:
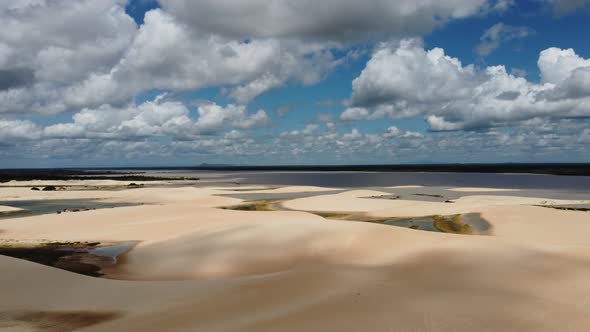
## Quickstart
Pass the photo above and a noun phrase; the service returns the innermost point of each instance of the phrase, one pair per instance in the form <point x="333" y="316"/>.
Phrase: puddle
<point x="114" y="251"/>
<point x="467" y="224"/>
<point x="40" y="207"/>
<point x="423" y="224"/>
<point x="87" y="258"/>
<point x="260" y="205"/>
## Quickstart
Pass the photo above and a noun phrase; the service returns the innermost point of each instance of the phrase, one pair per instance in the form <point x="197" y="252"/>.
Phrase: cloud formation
<point x="46" y="46"/>
<point x="155" y="118"/>
<point x="90" y="58"/>
<point x="405" y="80"/>
<point x="328" y="20"/>
<point x="499" y="34"/>
<point x="563" y="7"/>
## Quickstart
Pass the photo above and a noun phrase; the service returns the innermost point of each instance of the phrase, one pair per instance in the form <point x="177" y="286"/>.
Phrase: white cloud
<point x="498" y="34"/>
<point x="155" y="118"/>
<point x="167" y="54"/>
<point x="563" y="7"/>
<point x="341" y="20"/>
<point x="355" y="113"/>
<point x="557" y="65"/>
<point x="18" y="130"/>
<point x="213" y="118"/>
<point x="395" y="132"/>
<point x="309" y="130"/>
<point x="54" y="44"/>
<point x="60" y="55"/>
<point x="405" y="80"/>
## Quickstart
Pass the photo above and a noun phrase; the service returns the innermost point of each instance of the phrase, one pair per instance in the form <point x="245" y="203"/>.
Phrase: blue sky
<point x="165" y="83"/>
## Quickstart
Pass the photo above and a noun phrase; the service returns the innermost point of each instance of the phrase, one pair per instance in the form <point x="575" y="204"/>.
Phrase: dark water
<point x="38" y="207"/>
<point x="114" y="251"/>
<point x="384" y="179"/>
<point x="348" y="180"/>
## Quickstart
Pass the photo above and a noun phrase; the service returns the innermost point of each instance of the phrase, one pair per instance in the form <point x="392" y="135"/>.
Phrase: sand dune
<point x="8" y="208"/>
<point x="358" y="201"/>
<point x="198" y="267"/>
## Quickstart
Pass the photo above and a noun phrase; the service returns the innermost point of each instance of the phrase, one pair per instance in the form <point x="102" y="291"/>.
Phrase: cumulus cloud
<point x="155" y="118"/>
<point x="168" y="54"/>
<point x="562" y="7"/>
<point x="18" y="130"/>
<point x="309" y="130"/>
<point x="87" y="53"/>
<point x="213" y="118"/>
<point x="498" y="34"/>
<point x="48" y="45"/>
<point x="395" y="132"/>
<point x="405" y="80"/>
<point x="333" y="20"/>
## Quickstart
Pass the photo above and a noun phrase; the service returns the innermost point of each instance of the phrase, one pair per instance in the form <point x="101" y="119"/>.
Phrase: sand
<point x="201" y="268"/>
<point x="8" y="208"/>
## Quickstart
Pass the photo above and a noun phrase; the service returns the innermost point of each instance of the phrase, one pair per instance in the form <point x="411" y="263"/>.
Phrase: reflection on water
<point x="39" y="207"/>
<point x="361" y="179"/>
<point x="113" y="251"/>
<point x="423" y="223"/>
<point x="88" y="258"/>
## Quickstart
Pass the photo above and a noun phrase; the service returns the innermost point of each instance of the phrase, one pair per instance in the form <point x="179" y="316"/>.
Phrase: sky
<point x="116" y="83"/>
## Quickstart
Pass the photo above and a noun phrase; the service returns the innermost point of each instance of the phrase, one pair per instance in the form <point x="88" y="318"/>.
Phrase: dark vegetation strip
<point x="75" y="257"/>
<point x="565" y="208"/>
<point x="55" y="321"/>
<point x="61" y="174"/>
<point x="555" y="169"/>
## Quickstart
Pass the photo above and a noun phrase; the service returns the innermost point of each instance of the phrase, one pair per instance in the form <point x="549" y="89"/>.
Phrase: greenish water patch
<point x="87" y="258"/>
<point x="467" y="224"/>
<point x="39" y="207"/>
<point x="259" y="205"/>
<point x="452" y="224"/>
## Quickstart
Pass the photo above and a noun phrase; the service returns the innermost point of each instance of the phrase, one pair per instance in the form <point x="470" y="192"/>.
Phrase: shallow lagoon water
<point x="39" y="207"/>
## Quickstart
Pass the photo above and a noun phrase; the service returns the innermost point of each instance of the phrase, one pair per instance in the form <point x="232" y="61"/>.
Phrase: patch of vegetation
<point x="35" y="189"/>
<point x="261" y="205"/>
<point x="453" y="224"/>
<point x="391" y="197"/>
<point x="70" y="256"/>
<point x="565" y="208"/>
<point x="65" y="174"/>
<point x="430" y="195"/>
<point x="55" y="256"/>
<point x="333" y="215"/>
<point x="49" y="188"/>
<point x="56" y="321"/>
<point x="556" y="169"/>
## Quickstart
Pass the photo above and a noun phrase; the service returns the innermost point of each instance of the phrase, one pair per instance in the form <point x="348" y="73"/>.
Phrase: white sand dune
<point x="4" y="208"/>
<point x="207" y="269"/>
<point x="357" y="201"/>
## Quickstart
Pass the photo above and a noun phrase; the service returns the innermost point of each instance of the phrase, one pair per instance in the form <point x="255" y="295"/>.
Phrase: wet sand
<point x="197" y="266"/>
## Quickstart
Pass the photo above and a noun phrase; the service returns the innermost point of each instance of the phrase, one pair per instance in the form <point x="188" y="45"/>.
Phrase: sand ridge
<point x="198" y="267"/>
